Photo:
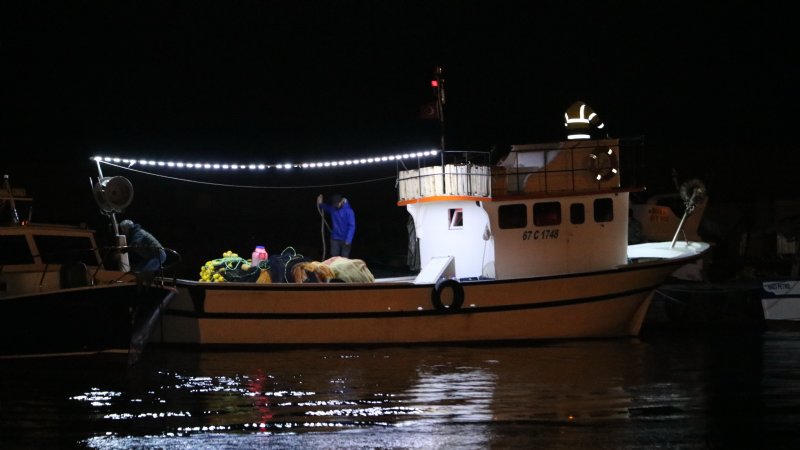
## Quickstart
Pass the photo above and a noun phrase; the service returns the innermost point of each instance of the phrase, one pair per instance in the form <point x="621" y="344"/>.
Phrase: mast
<point x="11" y="202"/>
<point x="121" y="240"/>
<point x="438" y="89"/>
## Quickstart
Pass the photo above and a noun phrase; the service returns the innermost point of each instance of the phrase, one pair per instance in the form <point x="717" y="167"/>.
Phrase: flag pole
<point x="440" y="101"/>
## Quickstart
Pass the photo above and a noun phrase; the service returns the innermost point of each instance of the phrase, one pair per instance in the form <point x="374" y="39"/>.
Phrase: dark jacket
<point x="143" y="245"/>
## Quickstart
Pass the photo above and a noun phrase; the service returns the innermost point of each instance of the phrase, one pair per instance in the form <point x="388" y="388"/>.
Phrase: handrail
<point x="453" y="174"/>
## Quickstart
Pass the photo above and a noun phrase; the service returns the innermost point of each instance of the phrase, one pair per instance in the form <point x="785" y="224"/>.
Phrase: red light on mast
<point x="435" y="83"/>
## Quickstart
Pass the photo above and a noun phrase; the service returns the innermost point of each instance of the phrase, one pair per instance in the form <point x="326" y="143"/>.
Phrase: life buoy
<point x="603" y="164"/>
<point x="458" y="295"/>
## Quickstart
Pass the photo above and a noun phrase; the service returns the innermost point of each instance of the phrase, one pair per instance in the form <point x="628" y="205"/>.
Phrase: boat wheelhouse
<point x="544" y="209"/>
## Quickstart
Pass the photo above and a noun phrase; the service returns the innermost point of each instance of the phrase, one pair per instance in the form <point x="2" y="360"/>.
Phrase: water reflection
<point x="320" y="390"/>
<point x="459" y="394"/>
<point x="667" y="391"/>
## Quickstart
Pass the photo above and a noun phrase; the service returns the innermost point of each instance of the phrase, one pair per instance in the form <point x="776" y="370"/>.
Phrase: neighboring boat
<point x="57" y="297"/>
<point x="732" y="305"/>
<point x="781" y="303"/>
<point x="535" y="247"/>
<point x="663" y="216"/>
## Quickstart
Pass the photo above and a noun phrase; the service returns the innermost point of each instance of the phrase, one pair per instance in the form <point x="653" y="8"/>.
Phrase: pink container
<point x="259" y="255"/>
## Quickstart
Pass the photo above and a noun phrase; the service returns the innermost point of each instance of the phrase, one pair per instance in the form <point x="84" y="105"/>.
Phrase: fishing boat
<point x="532" y="247"/>
<point x="58" y="298"/>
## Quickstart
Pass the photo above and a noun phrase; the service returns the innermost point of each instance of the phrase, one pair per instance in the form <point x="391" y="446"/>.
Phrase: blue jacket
<point x="344" y="221"/>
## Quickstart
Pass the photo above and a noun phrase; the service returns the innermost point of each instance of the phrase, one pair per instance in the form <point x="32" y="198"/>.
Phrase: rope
<point x="291" y="258"/>
<point x="322" y="225"/>
<point x="241" y="186"/>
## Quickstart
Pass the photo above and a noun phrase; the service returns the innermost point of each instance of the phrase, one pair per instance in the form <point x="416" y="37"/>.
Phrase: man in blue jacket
<point x="344" y="224"/>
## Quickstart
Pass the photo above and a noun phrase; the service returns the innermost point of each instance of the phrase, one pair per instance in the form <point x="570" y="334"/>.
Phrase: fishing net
<point x="231" y="267"/>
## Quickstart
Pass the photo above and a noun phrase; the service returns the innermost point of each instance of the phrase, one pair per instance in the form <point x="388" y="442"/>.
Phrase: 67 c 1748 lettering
<point x="534" y="235"/>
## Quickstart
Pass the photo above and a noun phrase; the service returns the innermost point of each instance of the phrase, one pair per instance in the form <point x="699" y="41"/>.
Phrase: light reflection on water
<point x="657" y="392"/>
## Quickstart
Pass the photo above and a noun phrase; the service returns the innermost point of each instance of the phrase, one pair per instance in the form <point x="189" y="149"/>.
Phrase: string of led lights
<point x="262" y="166"/>
<point x="129" y="164"/>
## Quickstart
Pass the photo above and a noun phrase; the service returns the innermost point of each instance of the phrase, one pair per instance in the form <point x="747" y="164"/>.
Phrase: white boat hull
<point x="782" y="301"/>
<point x="782" y="308"/>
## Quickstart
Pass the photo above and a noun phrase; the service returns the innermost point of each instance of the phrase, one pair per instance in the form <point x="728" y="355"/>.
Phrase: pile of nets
<point x="232" y="267"/>
<point x="288" y="267"/>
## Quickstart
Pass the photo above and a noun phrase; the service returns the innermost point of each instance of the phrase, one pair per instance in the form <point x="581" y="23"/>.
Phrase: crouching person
<point x="146" y="254"/>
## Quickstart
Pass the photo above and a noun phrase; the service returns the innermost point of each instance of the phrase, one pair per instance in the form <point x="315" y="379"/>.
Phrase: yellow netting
<point x="231" y="267"/>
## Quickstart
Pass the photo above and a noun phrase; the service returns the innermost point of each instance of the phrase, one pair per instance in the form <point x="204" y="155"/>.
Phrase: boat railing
<point x="76" y="271"/>
<point x="168" y="271"/>
<point x="453" y="174"/>
<point x="572" y="166"/>
<point x="554" y="168"/>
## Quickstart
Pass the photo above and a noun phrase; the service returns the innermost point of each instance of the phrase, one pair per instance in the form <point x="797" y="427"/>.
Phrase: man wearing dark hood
<point x="344" y="224"/>
<point x="145" y="252"/>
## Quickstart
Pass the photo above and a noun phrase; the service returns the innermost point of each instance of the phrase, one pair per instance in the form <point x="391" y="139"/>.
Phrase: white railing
<point x="454" y="180"/>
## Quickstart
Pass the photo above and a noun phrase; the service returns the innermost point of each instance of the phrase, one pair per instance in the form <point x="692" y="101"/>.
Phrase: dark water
<point x="662" y="390"/>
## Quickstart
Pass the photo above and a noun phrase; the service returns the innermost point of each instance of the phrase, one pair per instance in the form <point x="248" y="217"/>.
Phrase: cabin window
<point x="65" y="249"/>
<point x="512" y="216"/>
<point x="577" y="214"/>
<point x="15" y="250"/>
<point x="603" y="210"/>
<point x="456" y="216"/>
<point x="547" y="214"/>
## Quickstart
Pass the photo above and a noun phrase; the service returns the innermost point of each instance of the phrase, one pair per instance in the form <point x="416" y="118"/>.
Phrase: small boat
<point x="781" y="303"/>
<point x="662" y="216"/>
<point x="706" y="306"/>
<point x="532" y="247"/>
<point x="58" y="298"/>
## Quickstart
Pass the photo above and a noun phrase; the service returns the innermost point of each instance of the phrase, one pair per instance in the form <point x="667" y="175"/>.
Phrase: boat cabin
<point x="37" y="257"/>
<point x="538" y="211"/>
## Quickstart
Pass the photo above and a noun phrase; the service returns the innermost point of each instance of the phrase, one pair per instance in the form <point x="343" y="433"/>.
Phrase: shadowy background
<point x="710" y="88"/>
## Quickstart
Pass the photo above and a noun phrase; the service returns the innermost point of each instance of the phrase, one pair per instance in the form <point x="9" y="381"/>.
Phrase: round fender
<point x="458" y="295"/>
<point x="603" y="164"/>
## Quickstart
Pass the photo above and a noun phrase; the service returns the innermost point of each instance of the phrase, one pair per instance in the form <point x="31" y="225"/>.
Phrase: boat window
<point x="577" y="214"/>
<point x="512" y="216"/>
<point x="15" y="250"/>
<point x="65" y="249"/>
<point x="456" y="218"/>
<point x="547" y="214"/>
<point x="603" y="210"/>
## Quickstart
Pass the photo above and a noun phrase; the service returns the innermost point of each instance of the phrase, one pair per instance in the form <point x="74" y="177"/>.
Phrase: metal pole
<point x="440" y="101"/>
<point x="121" y="240"/>
<point x="11" y="202"/>
<point x="689" y="209"/>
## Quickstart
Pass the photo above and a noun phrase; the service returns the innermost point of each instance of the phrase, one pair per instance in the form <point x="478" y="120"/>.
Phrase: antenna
<point x="438" y="86"/>
<point x="7" y="187"/>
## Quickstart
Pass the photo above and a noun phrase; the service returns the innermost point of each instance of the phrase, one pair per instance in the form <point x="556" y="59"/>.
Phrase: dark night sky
<point x="710" y="85"/>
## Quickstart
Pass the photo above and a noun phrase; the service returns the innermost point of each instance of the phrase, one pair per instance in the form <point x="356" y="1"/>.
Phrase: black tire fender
<point x="458" y="295"/>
